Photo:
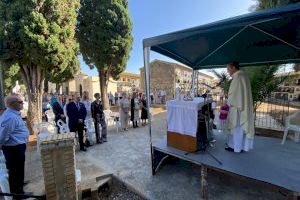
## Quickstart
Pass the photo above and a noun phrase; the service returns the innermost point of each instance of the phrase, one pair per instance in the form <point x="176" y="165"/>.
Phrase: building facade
<point x="290" y="89"/>
<point x="168" y="76"/>
<point x="128" y="82"/>
<point x="82" y="82"/>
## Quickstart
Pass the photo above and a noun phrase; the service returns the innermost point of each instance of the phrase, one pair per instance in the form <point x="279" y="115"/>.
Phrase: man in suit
<point x="76" y="112"/>
<point x="58" y="109"/>
<point x="99" y="119"/>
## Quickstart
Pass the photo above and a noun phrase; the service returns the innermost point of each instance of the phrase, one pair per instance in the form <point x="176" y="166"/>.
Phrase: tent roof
<point x="270" y="36"/>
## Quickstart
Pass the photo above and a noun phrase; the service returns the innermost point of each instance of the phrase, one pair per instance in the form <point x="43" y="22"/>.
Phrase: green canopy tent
<point x="265" y="37"/>
<point x="270" y="36"/>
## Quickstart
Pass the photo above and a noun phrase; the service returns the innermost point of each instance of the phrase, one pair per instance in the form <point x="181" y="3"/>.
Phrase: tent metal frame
<point x="146" y="54"/>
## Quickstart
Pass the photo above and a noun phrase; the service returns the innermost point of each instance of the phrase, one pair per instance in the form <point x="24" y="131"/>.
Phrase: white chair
<point x="63" y="127"/>
<point x="44" y="129"/>
<point x="90" y="129"/>
<point x="292" y="123"/>
<point x="116" y="120"/>
<point x="50" y="116"/>
<point x="108" y="117"/>
<point x="4" y="185"/>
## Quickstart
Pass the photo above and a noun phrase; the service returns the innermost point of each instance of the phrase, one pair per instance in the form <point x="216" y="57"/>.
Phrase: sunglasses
<point x="20" y="102"/>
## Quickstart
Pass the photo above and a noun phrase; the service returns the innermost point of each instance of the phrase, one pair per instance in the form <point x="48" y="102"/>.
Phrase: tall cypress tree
<point x="38" y="36"/>
<point x="104" y="35"/>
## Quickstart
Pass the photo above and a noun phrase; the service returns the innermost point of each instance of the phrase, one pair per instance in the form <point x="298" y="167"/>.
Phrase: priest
<point x="241" y="120"/>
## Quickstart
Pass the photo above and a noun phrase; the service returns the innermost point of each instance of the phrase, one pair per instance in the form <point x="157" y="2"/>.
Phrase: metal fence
<point x="271" y="114"/>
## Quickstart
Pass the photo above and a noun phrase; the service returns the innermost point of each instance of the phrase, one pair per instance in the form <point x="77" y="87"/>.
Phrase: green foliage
<point x="39" y="33"/>
<point x="224" y="80"/>
<point x="264" y="4"/>
<point x="104" y="34"/>
<point x="263" y="82"/>
<point x="10" y="75"/>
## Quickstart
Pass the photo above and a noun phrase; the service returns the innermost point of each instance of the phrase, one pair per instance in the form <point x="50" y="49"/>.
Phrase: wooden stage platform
<point x="269" y="161"/>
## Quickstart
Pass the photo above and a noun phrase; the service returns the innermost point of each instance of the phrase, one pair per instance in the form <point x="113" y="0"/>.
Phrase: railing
<point x="271" y="114"/>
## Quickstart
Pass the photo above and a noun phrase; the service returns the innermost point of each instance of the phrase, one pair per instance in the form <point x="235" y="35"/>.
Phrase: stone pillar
<point x="58" y="162"/>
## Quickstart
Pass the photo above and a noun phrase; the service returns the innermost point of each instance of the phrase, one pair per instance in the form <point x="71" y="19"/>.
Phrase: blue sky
<point x="155" y="17"/>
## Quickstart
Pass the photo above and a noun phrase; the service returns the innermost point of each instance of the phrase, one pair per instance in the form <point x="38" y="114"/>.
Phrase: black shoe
<point x="104" y="140"/>
<point x="99" y="142"/>
<point x="83" y="149"/>
<point x="229" y="149"/>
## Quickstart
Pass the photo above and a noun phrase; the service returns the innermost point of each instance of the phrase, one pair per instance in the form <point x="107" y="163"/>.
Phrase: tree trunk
<point x="33" y="78"/>
<point x="103" y="88"/>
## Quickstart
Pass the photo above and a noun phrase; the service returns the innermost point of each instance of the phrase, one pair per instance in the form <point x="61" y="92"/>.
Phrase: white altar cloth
<point x="182" y="116"/>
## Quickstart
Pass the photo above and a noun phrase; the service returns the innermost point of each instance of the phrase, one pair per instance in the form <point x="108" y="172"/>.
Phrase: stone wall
<point x="162" y="77"/>
<point x="58" y="162"/>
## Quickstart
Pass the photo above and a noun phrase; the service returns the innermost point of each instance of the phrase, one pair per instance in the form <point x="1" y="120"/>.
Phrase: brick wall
<point x="58" y="162"/>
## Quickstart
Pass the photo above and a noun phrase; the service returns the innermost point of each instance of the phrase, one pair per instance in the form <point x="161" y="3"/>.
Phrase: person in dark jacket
<point x="99" y="119"/>
<point x="144" y="113"/>
<point x="76" y="113"/>
<point x="58" y="109"/>
<point x="134" y="108"/>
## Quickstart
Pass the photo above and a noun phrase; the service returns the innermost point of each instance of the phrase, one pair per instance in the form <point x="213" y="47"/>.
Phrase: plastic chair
<point x="44" y="129"/>
<point x="90" y="129"/>
<point x="116" y="120"/>
<point x="108" y="116"/>
<point x="4" y="185"/>
<point x="63" y="127"/>
<point x="50" y="116"/>
<point x="292" y="123"/>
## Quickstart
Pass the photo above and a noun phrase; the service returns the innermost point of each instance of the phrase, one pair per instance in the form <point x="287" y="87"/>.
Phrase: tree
<point x="263" y="81"/>
<point x="11" y="75"/>
<point x="38" y="36"/>
<point x="104" y="35"/>
<point x="224" y="80"/>
<point x="264" y="4"/>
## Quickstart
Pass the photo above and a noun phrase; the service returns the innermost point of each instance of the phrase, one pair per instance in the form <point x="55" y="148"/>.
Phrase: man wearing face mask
<point x="13" y="139"/>
<point x="241" y="109"/>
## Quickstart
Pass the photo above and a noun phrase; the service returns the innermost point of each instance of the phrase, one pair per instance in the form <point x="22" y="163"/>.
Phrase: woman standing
<point x="87" y="104"/>
<point x="144" y="113"/>
<point x="124" y="111"/>
<point x="134" y="110"/>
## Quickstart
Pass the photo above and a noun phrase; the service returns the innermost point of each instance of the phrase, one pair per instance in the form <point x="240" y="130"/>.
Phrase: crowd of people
<point x="74" y="111"/>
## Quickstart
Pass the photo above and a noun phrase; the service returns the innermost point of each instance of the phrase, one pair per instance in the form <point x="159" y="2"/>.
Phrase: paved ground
<point x="127" y="156"/>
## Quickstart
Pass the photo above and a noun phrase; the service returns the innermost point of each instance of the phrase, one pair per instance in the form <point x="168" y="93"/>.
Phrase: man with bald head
<point x="13" y="139"/>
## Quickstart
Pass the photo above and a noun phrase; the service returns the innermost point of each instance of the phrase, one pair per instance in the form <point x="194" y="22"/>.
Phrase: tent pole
<point x="147" y="88"/>
<point x="197" y="86"/>
<point x="193" y="80"/>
